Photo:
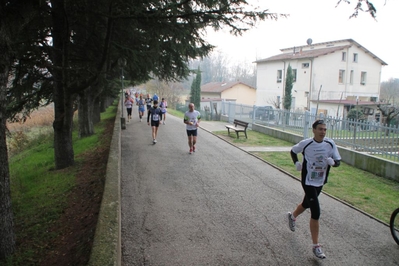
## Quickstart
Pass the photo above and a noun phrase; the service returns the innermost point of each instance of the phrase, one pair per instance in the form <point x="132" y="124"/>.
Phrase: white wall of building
<point x="242" y="93"/>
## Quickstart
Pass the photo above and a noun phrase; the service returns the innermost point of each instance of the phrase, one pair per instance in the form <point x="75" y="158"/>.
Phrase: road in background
<point x="223" y="206"/>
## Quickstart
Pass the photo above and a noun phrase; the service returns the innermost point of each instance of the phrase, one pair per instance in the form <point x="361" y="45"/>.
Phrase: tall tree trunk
<point x="103" y="100"/>
<point x="7" y="236"/>
<point x="63" y="100"/>
<point x="63" y="118"/>
<point x="86" y="126"/>
<point x="96" y="110"/>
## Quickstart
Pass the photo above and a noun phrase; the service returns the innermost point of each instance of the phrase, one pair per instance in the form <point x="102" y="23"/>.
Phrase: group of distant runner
<point x="156" y="113"/>
<point x="139" y="101"/>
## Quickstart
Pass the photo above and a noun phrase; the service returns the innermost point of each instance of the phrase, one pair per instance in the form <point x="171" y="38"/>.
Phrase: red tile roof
<point x="218" y="87"/>
<point x="287" y="55"/>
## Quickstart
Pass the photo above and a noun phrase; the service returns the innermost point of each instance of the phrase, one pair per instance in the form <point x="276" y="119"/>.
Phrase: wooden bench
<point x="239" y="126"/>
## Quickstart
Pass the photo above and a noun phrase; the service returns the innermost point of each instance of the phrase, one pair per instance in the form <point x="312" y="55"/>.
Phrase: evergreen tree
<point x="289" y="80"/>
<point x="195" y="95"/>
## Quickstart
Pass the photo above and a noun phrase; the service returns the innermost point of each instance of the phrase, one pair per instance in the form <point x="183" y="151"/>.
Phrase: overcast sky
<point x="321" y="21"/>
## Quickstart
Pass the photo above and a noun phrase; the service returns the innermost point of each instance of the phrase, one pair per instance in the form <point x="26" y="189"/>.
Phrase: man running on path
<point x="319" y="154"/>
<point x="141" y="104"/>
<point x="191" y="119"/>
<point x="148" y="102"/>
<point x="156" y="116"/>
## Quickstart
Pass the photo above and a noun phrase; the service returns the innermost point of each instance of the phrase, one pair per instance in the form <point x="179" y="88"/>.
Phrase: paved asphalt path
<point x="223" y="206"/>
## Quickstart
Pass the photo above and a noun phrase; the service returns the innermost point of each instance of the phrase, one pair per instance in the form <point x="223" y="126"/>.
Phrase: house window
<point x="294" y="74"/>
<point x="344" y="56"/>
<point x="355" y="57"/>
<point x="279" y="76"/>
<point x="341" y="76"/>
<point x="305" y="65"/>
<point x="351" y="78"/>
<point x="363" y="78"/>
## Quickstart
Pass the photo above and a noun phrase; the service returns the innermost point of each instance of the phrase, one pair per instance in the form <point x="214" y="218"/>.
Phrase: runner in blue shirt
<point x="141" y="104"/>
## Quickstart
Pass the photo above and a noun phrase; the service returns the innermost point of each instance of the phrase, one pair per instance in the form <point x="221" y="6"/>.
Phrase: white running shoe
<point x="291" y="222"/>
<point x="318" y="252"/>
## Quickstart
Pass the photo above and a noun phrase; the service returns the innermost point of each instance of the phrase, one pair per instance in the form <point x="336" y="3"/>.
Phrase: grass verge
<point x="176" y="113"/>
<point x="41" y="196"/>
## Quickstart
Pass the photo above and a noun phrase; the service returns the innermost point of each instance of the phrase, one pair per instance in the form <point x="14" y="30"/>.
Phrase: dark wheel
<point x="394" y="225"/>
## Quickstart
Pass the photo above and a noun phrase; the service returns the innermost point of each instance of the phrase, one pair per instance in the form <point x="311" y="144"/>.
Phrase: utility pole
<point x="122" y="63"/>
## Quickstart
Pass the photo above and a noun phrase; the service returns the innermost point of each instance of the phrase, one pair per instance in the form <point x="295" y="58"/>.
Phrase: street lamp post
<point x="357" y="120"/>
<point x="122" y="63"/>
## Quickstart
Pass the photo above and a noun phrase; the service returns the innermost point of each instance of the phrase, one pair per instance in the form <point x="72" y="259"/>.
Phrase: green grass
<point x="39" y="194"/>
<point x="254" y="139"/>
<point x="176" y="113"/>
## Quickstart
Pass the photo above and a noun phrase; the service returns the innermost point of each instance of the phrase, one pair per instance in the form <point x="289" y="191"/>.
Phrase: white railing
<point x="363" y="136"/>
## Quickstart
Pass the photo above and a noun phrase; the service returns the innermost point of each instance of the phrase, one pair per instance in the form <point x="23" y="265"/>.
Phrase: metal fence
<point x="363" y="136"/>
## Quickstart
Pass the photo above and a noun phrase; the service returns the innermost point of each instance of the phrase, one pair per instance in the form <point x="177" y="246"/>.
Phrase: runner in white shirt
<point x="191" y="119"/>
<point x="129" y="105"/>
<point x="319" y="154"/>
<point x="163" y="105"/>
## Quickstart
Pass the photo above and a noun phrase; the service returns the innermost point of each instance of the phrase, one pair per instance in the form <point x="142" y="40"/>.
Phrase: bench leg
<point x="245" y="134"/>
<point x="228" y="131"/>
<point x="237" y="135"/>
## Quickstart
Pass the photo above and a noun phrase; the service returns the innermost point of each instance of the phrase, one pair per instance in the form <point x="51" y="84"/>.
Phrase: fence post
<point x="306" y="125"/>
<point x="231" y="116"/>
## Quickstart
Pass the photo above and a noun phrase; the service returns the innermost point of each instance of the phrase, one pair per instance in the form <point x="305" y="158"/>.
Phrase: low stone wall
<point x="106" y="248"/>
<point x="369" y="163"/>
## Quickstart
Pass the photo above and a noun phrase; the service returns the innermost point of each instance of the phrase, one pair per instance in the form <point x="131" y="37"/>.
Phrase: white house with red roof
<point x="330" y="77"/>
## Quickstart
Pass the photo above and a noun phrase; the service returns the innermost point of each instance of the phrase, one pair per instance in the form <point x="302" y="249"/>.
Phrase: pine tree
<point x="195" y="95"/>
<point x="289" y="80"/>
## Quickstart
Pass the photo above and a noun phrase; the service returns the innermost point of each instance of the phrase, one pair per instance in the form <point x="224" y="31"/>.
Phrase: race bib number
<point x="155" y="117"/>
<point x="317" y="172"/>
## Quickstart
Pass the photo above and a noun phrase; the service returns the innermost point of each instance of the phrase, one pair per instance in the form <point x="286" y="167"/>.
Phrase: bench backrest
<point x="240" y="123"/>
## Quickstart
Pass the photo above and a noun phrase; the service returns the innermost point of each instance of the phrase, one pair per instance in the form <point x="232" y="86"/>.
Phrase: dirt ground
<point x="77" y="225"/>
